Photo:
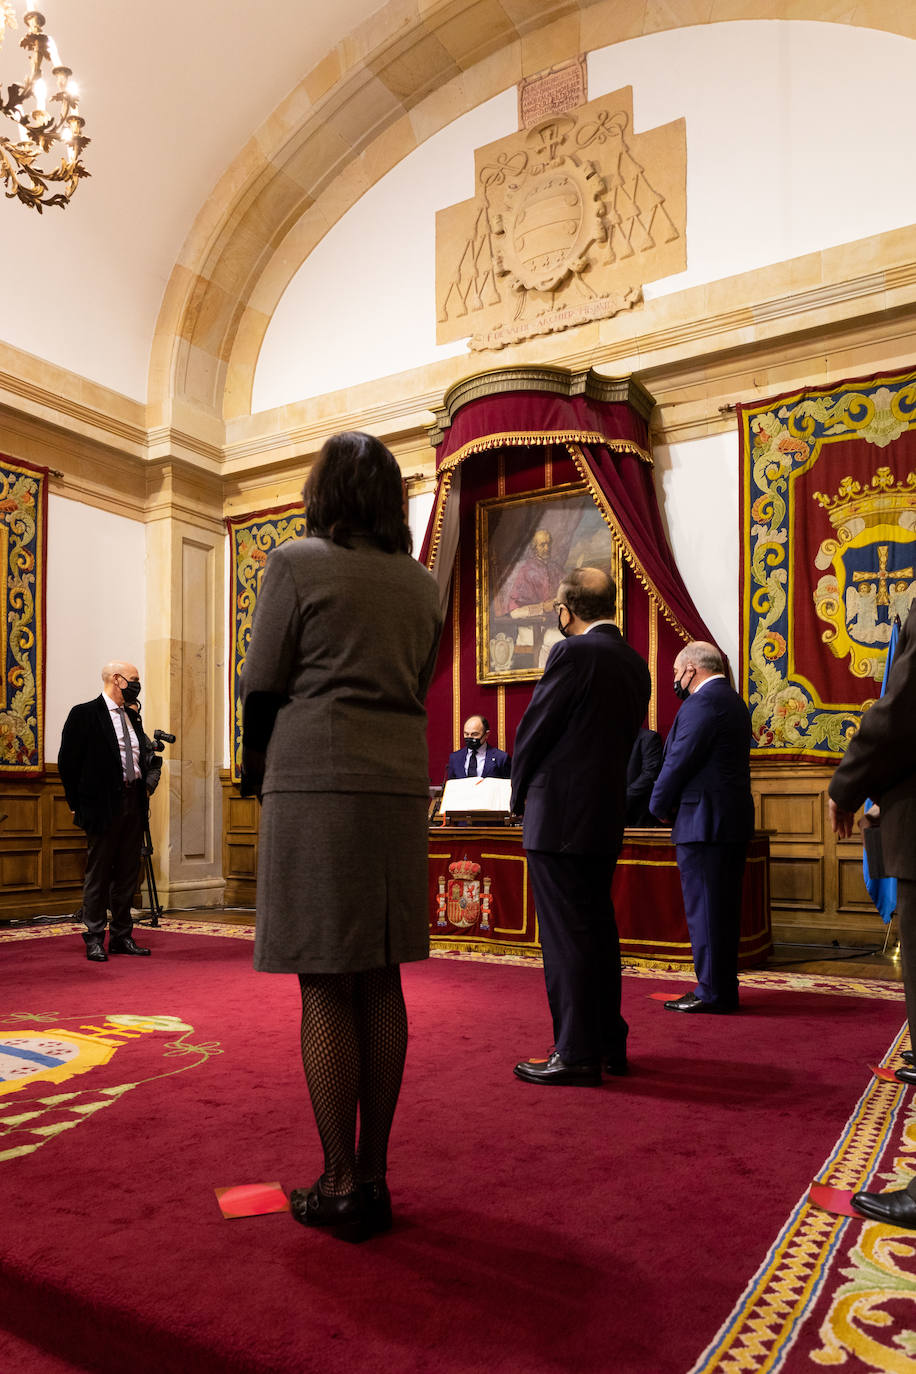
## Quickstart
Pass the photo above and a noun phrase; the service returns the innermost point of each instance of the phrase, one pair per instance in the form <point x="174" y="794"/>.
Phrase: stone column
<point x="185" y="674"/>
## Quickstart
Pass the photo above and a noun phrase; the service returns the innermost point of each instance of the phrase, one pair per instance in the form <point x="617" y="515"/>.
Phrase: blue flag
<point x="883" y="891"/>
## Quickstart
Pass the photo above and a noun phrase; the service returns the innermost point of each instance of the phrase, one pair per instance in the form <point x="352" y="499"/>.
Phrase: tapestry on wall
<point x="23" y="553"/>
<point x="828" y="482"/>
<point x="251" y="539"/>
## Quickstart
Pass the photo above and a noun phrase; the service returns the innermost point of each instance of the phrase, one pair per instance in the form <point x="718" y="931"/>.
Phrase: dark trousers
<point x="581" y="950"/>
<point x="711" y="881"/>
<point x="113" y="867"/>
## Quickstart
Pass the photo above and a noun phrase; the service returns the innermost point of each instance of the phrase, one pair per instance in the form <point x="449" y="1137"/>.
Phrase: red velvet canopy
<point x="531" y="430"/>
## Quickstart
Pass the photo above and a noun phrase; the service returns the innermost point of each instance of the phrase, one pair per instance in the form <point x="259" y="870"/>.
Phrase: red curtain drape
<point x="530" y="441"/>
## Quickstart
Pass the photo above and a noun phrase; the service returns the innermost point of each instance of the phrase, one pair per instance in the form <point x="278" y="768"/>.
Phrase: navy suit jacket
<point x="496" y="764"/>
<point x="642" y="770"/>
<point x="706" y="773"/>
<point x="569" y="768"/>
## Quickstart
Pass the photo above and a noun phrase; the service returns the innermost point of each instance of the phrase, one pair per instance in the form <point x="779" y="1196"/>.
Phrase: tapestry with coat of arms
<point x="828" y="487"/>
<point x="251" y="539"/>
<point x="23" y="556"/>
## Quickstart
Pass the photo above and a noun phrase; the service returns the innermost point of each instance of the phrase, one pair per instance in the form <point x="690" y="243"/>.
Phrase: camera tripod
<point x="147" y="876"/>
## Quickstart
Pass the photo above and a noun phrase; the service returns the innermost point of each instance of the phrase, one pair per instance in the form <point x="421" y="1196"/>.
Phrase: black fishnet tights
<point x="354" y="1042"/>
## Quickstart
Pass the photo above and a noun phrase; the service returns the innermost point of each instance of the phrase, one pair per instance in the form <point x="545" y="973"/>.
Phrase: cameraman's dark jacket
<point x="90" y="764"/>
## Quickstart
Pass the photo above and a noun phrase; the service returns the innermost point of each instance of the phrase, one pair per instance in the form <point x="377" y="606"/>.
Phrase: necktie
<point x="472" y="764"/>
<point x="127" y="752"/>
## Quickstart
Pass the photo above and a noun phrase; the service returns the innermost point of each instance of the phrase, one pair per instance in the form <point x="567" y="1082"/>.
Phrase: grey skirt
<point x="342" y="882"/>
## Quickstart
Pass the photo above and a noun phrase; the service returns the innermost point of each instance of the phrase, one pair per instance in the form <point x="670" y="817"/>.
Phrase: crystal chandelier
<point x="39" y="121"/>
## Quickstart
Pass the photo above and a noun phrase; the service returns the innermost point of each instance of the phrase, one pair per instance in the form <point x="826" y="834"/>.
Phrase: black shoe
<point x="556" y="1070"/>
<point x="376" y="1201"/>
<point x="908" y="1057"/>
<point x="897" y="1209"/>
<point x="906" y="1075"/>
<point x="616" y="1065"/>
<point x="95" y="951"/>
<point x="690" y="1002"/>
<point x="127" y="945"/>
<point x="342" y="1214"/>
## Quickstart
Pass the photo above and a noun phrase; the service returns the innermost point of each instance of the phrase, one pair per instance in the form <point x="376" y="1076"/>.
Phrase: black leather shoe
<point x="906" y="1075"/>
<point x="908" y="1057"/>
<point x="897" y="1209"/>
<point x="690" y="1002"/>
<point x="376" y="1201"/>
<point x="342" y="1214"/>
<point x="127" y="946"/>
<point x="95" y="951"/>
<point x="556" y="1070"/>
<point x="616" y="1066"/>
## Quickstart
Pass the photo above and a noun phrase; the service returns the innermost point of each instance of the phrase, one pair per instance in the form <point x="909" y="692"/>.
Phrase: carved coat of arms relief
<point x="570" y="220"/>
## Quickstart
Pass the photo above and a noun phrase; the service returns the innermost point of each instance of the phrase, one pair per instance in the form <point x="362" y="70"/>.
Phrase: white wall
<point x="794" y="139"/>
<point x="96" y="607"/>
<point x="697" y="486"/>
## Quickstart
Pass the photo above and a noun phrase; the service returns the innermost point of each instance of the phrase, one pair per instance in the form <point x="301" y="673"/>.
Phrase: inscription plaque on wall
<point x="569" y="220"/>
<point x="552" y="92"/>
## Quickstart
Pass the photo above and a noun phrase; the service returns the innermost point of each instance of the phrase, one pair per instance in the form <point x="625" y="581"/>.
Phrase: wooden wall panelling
<point x="42" y="851"/>
<point x="240" y="844"/>
<point x="817" y="888"/>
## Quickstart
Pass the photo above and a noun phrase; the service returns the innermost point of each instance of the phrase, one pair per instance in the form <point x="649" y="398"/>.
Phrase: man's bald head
<point x="115" y="675"/>
<point x="700" y="655"/>
<point x="590" y="595"/>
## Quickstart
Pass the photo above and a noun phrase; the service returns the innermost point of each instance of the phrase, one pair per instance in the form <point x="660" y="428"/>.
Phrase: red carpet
<point x="605" y="1229"/>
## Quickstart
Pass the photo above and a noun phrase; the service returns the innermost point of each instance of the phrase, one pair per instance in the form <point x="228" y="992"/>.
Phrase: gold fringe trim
<point x="653" y="663"/>
<point x="438" y="519"/>
<point x="629" y="552"/>
<point x="549" y="436"/>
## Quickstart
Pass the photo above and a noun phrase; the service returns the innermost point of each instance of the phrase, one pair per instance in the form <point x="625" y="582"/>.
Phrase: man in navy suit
<point x="478" y="759"/>
<point x="569" y="777"/>
<point x="706" y="783"/>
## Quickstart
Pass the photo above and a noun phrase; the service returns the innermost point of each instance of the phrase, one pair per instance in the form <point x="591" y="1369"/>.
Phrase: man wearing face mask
<point x="705" y="784"/>
<point x="569" y="777"/>
<point x="478" y="759"/>
<point x="108" y="769"/>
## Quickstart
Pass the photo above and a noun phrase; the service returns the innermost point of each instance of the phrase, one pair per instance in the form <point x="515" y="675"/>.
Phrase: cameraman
<point x="109" y="769"/>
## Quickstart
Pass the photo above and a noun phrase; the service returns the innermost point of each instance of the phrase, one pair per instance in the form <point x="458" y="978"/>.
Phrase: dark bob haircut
<point x="356" y="488"/>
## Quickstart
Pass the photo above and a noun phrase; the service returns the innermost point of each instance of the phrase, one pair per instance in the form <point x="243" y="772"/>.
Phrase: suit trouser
<point x="711" y="881"/>
<point x="581" y="950"/>
<point x="113" y="867"/>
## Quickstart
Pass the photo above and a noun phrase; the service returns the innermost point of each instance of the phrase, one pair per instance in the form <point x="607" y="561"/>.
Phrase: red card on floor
<point x="882" y="1071"/>
<point x="663" y="996"/>
<point x="835" y="1200"/>
<point x="252" y="1200"/>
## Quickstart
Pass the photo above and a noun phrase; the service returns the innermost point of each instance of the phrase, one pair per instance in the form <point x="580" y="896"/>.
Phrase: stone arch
<point x="407" y="72"/>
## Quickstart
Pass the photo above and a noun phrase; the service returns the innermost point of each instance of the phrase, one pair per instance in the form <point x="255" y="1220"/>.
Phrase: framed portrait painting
<point x="525" y="546"/>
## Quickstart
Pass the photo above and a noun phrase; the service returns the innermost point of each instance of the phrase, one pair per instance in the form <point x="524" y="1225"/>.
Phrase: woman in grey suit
<point x="342" y="650"/>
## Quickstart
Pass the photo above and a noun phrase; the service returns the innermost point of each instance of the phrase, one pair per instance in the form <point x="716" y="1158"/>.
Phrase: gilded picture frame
<point x="525" y="545"/>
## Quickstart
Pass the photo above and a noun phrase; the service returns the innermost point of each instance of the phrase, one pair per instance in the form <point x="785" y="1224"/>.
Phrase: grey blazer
<point x="880" y="761"/>
<point x="342" y="650"/>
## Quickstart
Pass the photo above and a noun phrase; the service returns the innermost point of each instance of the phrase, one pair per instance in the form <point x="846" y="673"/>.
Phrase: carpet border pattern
<point x="767" y="1322"/>
<point x="832" y="985"/>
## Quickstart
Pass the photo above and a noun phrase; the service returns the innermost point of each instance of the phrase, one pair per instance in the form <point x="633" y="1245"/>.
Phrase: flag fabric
<point x="883" y="891"/>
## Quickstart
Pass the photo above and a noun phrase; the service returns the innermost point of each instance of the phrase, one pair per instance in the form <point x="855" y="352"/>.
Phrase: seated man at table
<point x="478" y="759"/>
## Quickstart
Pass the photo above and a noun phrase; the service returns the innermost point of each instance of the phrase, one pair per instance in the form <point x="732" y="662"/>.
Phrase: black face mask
<point x="131" y="691"/>
<point x="471" y="743"/>
<point x="564" y="629"/>
<point x="680" y="690"/>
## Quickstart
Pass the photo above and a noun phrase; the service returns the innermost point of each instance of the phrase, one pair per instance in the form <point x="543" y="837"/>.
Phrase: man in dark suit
<point x="108" y="769"/>
<point x="642" y="770"/>
<point x="569" y="778"/>
<point x="706" y="783"/>
<point x="880" y="763"/>
<point x="478" y="759"/>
